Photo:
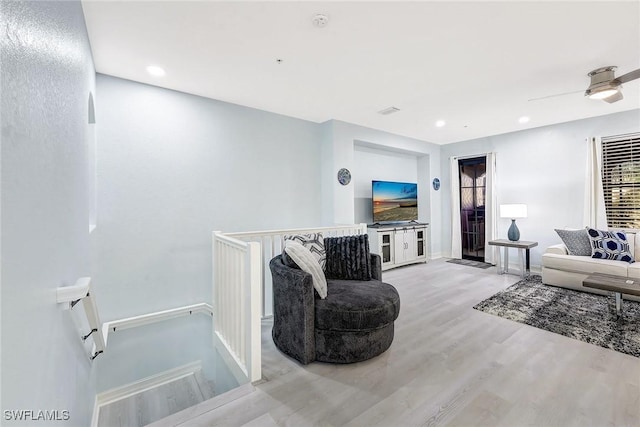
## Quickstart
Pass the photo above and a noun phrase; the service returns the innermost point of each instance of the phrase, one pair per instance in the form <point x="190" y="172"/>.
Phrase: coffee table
<point x="616" y="284"/>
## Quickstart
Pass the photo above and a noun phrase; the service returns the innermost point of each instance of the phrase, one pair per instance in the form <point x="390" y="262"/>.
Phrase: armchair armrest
<point x="376" y="267"/>
<point x="293" y="311"/>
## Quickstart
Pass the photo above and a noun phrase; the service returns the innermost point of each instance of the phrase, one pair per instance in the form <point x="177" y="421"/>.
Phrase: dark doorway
<point x="473" y="182"/>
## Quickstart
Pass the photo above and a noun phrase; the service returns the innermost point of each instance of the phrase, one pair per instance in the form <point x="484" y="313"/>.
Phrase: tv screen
<point x="394" y="201"/>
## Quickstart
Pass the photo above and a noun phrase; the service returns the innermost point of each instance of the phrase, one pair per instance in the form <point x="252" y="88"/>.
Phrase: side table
<point x="523" y="247"/>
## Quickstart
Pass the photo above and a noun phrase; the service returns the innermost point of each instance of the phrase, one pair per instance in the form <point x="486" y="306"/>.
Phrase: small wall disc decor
<point x="436" y="184"/>
<point x="344" y="176"/>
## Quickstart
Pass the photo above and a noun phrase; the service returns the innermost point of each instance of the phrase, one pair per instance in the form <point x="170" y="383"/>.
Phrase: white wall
<point x="173" y="167"/>
<point x="344" y="137"/>
<point x="47" y="74"/>
<point x="371" y="164"/>
<point x="141" y="352"/>
<point x="544" y="168"/>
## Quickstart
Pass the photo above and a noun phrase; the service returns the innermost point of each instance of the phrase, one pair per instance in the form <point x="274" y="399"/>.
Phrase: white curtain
<point x="594" y="212"/>
<point x="490" y="209"/>
<point x="456" y="233"/>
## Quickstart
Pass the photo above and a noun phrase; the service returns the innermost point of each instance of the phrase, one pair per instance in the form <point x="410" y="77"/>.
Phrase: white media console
<point x="399" y="244"/>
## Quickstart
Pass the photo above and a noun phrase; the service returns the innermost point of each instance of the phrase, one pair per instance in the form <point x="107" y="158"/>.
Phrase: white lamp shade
<point x="513" y="211"/>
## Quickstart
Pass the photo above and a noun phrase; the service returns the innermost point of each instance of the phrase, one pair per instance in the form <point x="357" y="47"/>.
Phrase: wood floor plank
<point x="449" y="365"/>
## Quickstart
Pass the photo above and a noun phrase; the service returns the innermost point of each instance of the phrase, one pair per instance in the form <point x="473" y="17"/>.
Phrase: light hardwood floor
<point x="159" y="402"/>
<point x="449" y="365"/>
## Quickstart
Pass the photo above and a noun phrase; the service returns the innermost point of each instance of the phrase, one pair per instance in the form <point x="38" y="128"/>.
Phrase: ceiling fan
<point x="604" y="84"/>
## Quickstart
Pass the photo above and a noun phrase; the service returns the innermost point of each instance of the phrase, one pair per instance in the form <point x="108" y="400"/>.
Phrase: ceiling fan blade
<point x="613" y="98"/>
<point x="628" y="77"/>
<point x="557" y="94"/>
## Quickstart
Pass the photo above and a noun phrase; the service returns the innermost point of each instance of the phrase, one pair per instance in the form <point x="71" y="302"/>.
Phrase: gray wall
<point x="173" y="167"/>
<point x="544" y="168"/>
<point x="47" y="74"/>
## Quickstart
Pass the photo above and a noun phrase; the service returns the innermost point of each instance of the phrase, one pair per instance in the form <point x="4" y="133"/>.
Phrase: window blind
<point x="621" y="180"/>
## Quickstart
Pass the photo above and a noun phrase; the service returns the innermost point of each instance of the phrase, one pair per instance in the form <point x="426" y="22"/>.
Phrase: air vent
<point x="388" y="111"/>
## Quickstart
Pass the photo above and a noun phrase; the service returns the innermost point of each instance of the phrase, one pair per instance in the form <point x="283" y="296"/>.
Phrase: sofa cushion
<point x="348" y="257"/>
<point x="609" y="245"/>
<point x="576" y="241"/>
<point x="587" y="265"/>
<point x="633" y="271"/>
<point x="357" y="305"/>
<point x="312" y="241"/>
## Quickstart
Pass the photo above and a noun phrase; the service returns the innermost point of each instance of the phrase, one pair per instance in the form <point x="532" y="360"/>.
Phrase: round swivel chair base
<point x="352" y="346"/>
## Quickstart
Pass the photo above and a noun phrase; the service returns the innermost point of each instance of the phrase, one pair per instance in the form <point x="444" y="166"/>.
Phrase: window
<point x="621" y="180"/>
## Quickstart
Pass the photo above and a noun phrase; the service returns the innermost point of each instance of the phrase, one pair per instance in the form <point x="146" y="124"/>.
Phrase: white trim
<point x="132" y="322"/>
<point x="359" y="227"/>
<point x="456" y="232"/>
<point x="75" y="292"/>
<point x="229" y="359"/>
<point x="491" y="209"/>
<point x="96" y="413"/>
<point x="136" y="387"/>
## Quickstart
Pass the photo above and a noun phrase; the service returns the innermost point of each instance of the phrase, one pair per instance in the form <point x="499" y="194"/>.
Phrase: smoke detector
<point x="320" y="20"/>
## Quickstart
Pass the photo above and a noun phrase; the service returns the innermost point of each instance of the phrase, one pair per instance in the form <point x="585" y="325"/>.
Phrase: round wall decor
<point x="344" y="176"/>
<point x="436" y="184"/>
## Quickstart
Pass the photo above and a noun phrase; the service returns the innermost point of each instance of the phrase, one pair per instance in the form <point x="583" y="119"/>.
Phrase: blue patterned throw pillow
<point x="609" y="245"/>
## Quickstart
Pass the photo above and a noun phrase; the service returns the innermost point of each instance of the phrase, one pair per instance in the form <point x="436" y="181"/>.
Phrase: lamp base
<point x="513" y="234"/>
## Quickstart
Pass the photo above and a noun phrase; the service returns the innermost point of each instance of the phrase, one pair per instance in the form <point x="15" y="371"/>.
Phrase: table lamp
<point x="512" y="212"/>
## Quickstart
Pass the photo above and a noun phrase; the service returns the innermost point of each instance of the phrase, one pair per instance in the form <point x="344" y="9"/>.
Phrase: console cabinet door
<point x="385" y="247"/>
<point x="399" y="247"/>
<point x="405" y="245"/>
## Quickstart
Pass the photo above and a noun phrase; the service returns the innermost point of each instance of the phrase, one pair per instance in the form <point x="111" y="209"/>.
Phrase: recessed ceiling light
<point x="155" y="71"/>
<point x="440" y="123"/>
<point x="523" y="119"/>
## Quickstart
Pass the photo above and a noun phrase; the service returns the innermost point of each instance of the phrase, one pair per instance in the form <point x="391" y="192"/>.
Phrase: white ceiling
<point x="473" y="64"/>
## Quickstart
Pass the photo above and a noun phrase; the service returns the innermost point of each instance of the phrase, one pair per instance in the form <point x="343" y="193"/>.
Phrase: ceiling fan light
<point x="601" y="93"/>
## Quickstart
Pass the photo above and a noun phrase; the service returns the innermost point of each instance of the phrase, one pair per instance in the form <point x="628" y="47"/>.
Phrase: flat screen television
<point x="394" y="201"/>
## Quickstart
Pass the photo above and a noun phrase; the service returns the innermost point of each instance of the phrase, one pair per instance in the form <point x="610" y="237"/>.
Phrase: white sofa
<point x="568" y="271"/>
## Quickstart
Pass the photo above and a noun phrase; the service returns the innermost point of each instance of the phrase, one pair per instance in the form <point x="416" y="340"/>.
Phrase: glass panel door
<point x="473" y="174"/>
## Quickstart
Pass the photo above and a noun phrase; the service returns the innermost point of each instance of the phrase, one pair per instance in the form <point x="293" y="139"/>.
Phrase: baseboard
<point x="435" y="255"/>
<point x="96" y="413"/>
<point x="128" y="390"/>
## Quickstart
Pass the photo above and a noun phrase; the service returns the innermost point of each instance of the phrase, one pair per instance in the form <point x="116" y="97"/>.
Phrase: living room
<point x="170" y="167"/>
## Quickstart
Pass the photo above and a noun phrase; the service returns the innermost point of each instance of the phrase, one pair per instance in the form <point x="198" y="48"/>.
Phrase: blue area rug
<point x="579" y="315"/>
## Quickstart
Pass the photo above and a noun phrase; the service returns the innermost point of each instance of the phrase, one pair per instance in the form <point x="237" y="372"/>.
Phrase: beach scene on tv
<point x="394" y="201"/>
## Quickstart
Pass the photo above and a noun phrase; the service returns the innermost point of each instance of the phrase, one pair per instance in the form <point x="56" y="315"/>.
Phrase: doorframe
<point x="490" y="209"/>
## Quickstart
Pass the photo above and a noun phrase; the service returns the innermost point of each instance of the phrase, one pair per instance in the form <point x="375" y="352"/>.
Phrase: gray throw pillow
<point x="576" y="241"/>
<point x="348" y="257"/>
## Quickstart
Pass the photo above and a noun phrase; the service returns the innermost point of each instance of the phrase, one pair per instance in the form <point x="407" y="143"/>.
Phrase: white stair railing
<point x="81" y="291"/>
<point x="242" y="292"/>
<point x="271" y="244"/>
<point x="242" y="289"/>
<point x="237" y="296"/>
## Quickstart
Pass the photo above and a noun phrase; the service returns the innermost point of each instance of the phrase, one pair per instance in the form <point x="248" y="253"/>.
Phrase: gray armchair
<point x="354" y="322"/>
